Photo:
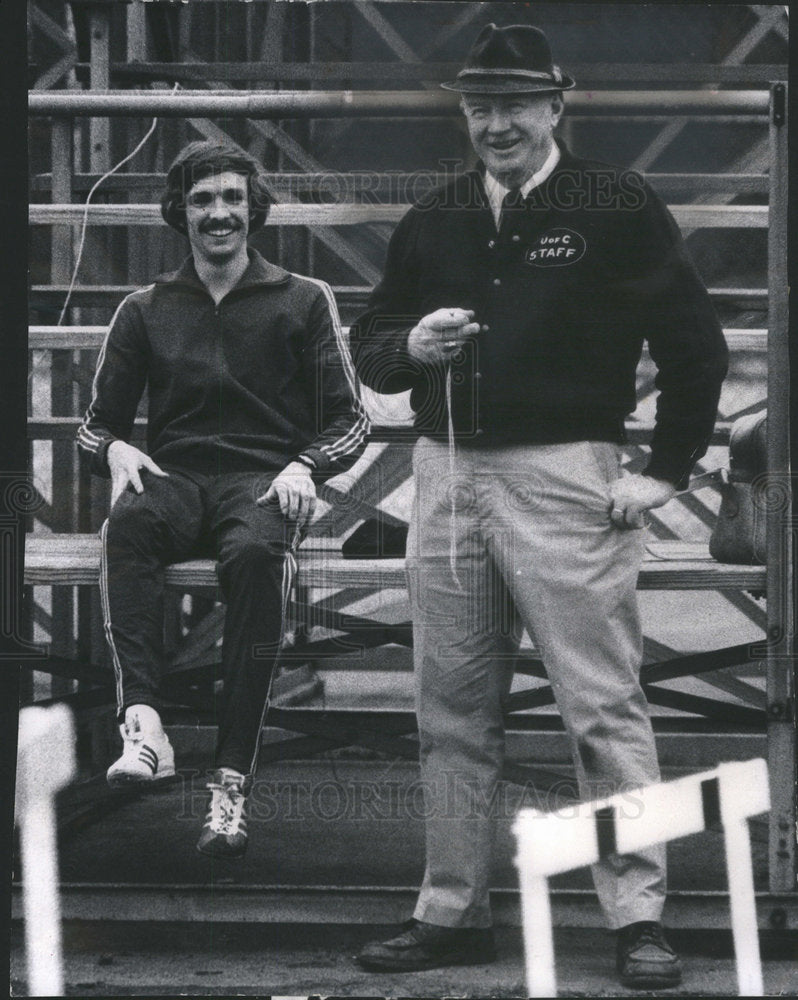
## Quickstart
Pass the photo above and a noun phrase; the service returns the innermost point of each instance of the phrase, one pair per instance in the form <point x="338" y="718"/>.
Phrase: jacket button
<point x="491" y="244"/>
<point x="485" y="328"/>
<point x="497" y="281"/>
<point x="516" y="238"/>
<point x="477" y="375"/>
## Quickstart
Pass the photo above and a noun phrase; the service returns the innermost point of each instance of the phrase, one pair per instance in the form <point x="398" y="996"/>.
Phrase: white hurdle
<point x="45" y="763"/>
<point x="553" y="842"/>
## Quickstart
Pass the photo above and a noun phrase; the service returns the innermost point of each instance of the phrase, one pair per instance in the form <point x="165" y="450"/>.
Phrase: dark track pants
<point x="186" y="516"/>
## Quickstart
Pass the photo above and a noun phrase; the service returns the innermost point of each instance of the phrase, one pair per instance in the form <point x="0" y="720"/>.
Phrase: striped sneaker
<point x="224" y="834"/>
<point x="147" y="758"/>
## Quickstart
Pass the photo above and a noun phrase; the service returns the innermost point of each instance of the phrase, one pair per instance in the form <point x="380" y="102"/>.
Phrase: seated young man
<point x="250" y="395"/>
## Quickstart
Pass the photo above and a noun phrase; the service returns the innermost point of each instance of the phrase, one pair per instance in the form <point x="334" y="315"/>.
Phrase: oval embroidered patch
<point x="556" y="248"/>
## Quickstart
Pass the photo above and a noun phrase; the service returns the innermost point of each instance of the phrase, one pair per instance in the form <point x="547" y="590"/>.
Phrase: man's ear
<point x="557" y="108"/>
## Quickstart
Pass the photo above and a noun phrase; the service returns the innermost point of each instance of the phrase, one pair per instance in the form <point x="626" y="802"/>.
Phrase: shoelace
<point x="649" y="934"/>
<point x="226" y="808"/>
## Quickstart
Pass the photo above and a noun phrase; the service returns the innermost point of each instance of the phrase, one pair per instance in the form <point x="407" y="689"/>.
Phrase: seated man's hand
<point x="295" y="491"/>
<point x="125" y="462"/>
<point x="440" y="334"/>
<point x="633" y="495"/>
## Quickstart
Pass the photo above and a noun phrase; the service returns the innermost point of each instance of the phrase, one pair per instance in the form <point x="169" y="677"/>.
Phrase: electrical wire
<point x="84" y="225"/>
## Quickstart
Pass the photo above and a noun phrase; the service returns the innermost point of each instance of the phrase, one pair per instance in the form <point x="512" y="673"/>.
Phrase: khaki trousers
<point x="529" y="542"/>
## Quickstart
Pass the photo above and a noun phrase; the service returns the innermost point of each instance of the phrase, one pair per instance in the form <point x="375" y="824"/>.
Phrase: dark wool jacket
<point x="245" y="386"/>
<point x="580" y="275"/>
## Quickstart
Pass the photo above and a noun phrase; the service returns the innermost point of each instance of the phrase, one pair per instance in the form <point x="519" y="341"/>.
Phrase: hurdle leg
<point x="743" y="908"/>
<point x="45" y="763"/>
<point x="40" y="899"/>
<point x="538" y="936"/>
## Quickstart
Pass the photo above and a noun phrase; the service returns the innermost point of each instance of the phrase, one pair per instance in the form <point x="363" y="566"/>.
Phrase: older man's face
<point x="512" y="133"/>
<point x="217" y="217"/>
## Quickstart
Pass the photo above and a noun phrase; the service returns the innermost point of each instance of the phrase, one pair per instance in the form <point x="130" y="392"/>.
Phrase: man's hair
<point x="202" y="159"/>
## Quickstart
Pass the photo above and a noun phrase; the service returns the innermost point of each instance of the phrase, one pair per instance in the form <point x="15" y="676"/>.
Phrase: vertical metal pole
<point x="92" y="496"/>
<point x="780" y="668"/>
<point x="310" y="259"/>
<point x="61" y="396"/>
<point x="273" y="40"/>
<point x="140" y="245"/>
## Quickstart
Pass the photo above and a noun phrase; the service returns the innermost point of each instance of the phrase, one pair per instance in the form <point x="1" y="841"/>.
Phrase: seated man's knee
<point x="132" y="518"/>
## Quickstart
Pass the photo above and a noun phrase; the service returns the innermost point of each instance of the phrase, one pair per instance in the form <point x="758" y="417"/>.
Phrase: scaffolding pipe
<point x="374" y="104"/>
<point x="347" y="214"/>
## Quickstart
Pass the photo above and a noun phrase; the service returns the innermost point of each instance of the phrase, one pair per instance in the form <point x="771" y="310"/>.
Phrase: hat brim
<point x="480" y="84"/>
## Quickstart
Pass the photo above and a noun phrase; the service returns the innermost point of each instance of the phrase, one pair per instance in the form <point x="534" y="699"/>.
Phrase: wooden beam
<point x="100" y="79"/>
<point x="394" y="71"/>
<point x="397" y="185"/>
<point x="296" y="214"/>
<point x="70" y="560"/>
<point x="56" y="72"/>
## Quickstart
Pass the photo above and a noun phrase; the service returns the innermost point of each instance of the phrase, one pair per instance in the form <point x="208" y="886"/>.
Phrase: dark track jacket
<point x="246" y="386"/>
<point x="579" y="276"/>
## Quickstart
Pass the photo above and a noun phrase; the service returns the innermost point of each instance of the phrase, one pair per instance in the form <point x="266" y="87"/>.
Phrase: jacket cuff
<point x="317" y="461"/>
<point x="97" y="461"/>
<point x="661" y="468"/>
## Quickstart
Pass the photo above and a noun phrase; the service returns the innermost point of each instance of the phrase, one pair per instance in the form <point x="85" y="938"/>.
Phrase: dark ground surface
<point x="114" y="959"/>
<point x="330" y="822"/>
<point x="323" y="839"/>
<point x="336" y="822"/>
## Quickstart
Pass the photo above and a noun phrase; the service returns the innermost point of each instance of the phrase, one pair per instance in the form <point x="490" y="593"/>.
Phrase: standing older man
<point x="250" y="393"/>
<point x="514" y="305"/>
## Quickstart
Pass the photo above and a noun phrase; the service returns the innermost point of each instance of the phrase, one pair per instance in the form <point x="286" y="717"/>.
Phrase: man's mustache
<point x="211" y="224"/>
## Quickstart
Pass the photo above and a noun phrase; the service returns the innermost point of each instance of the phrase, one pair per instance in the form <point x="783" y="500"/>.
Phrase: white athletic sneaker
<point x="224" y="834"/>
<point x="147" y="757"/>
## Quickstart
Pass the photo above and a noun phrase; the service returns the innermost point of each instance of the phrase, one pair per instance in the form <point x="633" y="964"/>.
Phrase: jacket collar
<point x="259" y="272"/>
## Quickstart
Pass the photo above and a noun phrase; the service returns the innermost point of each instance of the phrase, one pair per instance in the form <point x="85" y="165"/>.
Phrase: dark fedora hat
<point x="512" y="60"/>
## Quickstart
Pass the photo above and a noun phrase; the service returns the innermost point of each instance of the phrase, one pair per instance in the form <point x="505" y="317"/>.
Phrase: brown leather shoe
<point x="644" y="958"/>
<point x="429" y="946"/>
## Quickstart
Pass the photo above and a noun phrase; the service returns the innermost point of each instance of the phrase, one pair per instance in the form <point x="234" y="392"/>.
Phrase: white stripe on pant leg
<point x="106" y="609"/>
<point x="290" y="566"/>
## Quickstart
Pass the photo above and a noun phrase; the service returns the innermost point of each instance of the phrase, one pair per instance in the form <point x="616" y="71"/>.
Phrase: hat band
<point x="529" y="74"/>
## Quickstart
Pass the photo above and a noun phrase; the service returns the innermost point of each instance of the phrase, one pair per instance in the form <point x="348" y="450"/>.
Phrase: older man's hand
<point x="441" y="334"/>
<point x="632" y="496"/>
<point x="295" y="491"/>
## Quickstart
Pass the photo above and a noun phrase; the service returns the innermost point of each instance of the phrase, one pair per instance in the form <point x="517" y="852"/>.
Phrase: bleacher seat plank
<point x="78" y="337"/>
<point x="74" y="560"/>
<point x="352" y="295"/>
